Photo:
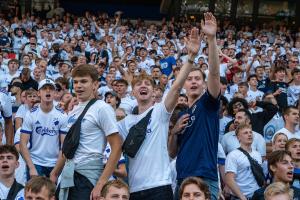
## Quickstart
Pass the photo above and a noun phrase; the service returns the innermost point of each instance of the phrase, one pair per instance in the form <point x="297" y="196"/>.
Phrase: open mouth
<point x="5" y="166"/>
<point x="193" y="87"/>
<point x="48" y="95"/>
<point x="290" y="174"/>
<point x="143" y="92"/>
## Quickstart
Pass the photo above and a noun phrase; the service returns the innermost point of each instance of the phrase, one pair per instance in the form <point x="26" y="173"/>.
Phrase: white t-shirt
<point x="238" y="163"/>
<point x="223" y="69"/>
<point x="293" y="93"/>
<point x="103" y="90"/>
<point x="5" y="190"/>
<point x="253" y="95"/>
<point x="223" y="122"/>
<point x="22" y="110"/>
<point x="146" y="65"/>
<point x="6" y="79"/>
<point x="289" y="134"/>
<point x="45" y="130"/>
<point x="230" y="142"/>
<point x="98" y="123"/>
<point x="20" y="172"/>
<point x="151" y="165"/>
<point x="5" y="103"/>
<point x="128" y="103"/>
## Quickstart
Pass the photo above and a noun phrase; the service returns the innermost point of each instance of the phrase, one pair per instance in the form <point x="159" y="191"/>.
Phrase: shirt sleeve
<point x="64" y="125"/>
<point x="211" y="103"/>
<point x="231" y="163"/>
<point x="7" y="107"/>
<point x="107" y="120"/>
<point x="20" y="112"/>
<point x="122" y="129"/>
<point x="17" y="136"/>
<point x="260" y="144"/>
<point x="160" y="111"/>
<point x="27" y="124"/>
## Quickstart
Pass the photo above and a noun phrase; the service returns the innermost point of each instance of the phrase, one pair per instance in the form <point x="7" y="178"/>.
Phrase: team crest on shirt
<point x="55" y="121"/>
<point x="191" y="121"/>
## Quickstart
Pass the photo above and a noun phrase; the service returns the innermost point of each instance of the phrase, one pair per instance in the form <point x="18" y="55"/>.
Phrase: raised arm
<point x="209" y="28"/>
<point x="192" y="45"/>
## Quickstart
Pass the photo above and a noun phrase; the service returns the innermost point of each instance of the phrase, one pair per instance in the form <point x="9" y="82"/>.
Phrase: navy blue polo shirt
<point x="198" y="145"/>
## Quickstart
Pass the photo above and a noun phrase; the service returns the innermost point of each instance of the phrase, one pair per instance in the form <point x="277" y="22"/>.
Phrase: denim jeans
<point x="157" y="193"/>
<point x="213" y="188"/>
<point x="41" y="170"/>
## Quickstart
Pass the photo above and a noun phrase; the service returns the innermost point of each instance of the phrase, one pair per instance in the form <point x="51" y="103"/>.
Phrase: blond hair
<point x="278" y="188"/>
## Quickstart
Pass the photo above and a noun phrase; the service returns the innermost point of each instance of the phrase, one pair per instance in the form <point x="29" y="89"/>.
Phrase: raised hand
<point x="209" y="25"/>
<point x="193" y="43"/>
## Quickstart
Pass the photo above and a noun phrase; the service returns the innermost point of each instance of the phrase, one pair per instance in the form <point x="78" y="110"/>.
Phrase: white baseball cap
<point x="46" y="82"/>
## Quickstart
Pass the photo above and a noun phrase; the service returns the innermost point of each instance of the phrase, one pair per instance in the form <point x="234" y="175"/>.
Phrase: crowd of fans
<point x="250" y="99"/>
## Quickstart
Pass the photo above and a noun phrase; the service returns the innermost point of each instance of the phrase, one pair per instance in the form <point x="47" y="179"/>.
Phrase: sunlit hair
<point x="277" y="135"/>
<point x="141" y="77"/>
<point x="278" y="188"/>
<point x="113" y="183"/>
<point x="242" y="127"/>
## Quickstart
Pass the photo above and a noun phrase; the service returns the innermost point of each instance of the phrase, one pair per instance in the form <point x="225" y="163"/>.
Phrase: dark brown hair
<point x="275" y="157"/>
<point x="9" y="149"/>
<point x="85" y="70"/>
<point x="197" y="181"/>
<point x="36" y="184"/>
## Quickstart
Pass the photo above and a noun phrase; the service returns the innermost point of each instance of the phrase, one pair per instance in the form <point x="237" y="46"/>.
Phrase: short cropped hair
<point x="9" y="149"/>
<point x="241" y="127"/>
<point x="36" y="184"/>
<point x="115" y="183"/>
<point x="30" y="91"/>
<point x="85" y="70"/>
<point x="198" y="69"/>
<point x="289" y="109"/>
<point x="278" y="188"/>
<point x="197" y="181"/>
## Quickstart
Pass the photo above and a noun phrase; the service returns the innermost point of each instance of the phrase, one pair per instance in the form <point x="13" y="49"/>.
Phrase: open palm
<point x="209" y="25"/>
<point x="193" y="43"/>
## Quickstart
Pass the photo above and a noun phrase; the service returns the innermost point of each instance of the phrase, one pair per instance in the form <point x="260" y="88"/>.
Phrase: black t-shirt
<point x="263" y="85"/>
<point x="282" y="97"/>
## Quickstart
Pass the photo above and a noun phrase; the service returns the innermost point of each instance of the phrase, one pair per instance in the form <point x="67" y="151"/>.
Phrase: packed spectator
<point x="205" y="109"/>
